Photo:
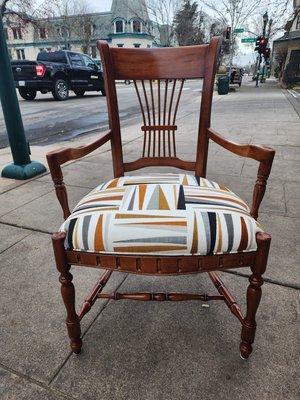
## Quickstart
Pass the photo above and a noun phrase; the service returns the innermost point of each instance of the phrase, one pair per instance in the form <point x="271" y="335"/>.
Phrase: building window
<point x="137" y="45"/>
<point x="298" y="23"/>
<point x="17" y="32"/>
<point x="20" y="54"/>
<point x="42" y="33"/>
<point x="10" y="54"/>
<point x="120" y="45"/>
<point x="58" y="31"/>
<point x="6" y="33"/>
<point x="136" y="26"/>
<point x="119" y="26"/>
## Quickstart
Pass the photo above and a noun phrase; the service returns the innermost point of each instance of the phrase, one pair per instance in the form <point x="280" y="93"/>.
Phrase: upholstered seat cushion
<point x="165" y="214"/>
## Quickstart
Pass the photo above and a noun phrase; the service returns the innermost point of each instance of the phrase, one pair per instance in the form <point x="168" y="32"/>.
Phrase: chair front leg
<point x="254" y="294"/>
<point x="67" y="292"/>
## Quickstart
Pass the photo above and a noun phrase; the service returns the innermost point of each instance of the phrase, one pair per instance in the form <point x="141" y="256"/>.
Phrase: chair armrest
<point x="263" y="154"/>
<point x="59" y="157"/>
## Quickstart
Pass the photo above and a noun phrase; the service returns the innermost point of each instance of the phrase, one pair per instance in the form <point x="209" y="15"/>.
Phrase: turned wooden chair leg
<point x="67" y="292"/>
<point x="254" y="294"/>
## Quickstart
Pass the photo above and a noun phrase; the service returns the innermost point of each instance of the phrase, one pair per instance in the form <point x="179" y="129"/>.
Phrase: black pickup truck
<point x="57" y="72"/>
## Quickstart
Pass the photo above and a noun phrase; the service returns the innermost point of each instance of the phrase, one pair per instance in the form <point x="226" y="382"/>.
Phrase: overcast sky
<point x="100" y="5"/>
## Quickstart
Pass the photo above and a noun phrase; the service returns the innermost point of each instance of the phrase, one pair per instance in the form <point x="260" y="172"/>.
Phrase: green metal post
<point x="22" y="167"/>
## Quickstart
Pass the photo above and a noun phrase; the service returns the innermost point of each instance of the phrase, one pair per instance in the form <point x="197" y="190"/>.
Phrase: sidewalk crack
<point x="26" y="228"/>
<point x="36" y="382"/>
<point x="266" y="280"/>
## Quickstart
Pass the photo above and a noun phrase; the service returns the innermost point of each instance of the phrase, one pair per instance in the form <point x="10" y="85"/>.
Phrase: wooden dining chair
<point x="161" y="224"/>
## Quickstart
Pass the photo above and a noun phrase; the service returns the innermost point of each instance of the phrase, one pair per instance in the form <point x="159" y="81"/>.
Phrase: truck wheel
<point x="27" y="94"/>
<point x="79" y="92"/>
<point x="61" y="90"/>
<point x="103" y="92"/>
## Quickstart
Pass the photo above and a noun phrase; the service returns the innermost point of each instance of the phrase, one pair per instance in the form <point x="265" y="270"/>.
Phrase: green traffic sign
<point x="239" y="30"/>
<point x="248" y="40"/>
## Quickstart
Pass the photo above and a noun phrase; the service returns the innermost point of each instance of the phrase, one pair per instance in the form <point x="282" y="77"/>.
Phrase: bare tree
<point x="234" y="13"/>
<point x="17" y="7"/>
<point x="279" y="11"/>
<point x="67" y="20"/>
<point x="162" y="13"/>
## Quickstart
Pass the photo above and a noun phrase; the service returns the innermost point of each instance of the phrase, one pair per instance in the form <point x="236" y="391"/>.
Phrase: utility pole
<point x="22" y="166"/>
<point x="265" y="21"/>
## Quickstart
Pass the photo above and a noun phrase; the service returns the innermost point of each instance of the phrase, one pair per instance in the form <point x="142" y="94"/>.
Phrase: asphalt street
<point x="47" y="120"/>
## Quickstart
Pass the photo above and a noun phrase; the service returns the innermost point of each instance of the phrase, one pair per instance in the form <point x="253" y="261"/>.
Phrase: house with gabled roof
<point x="127" y="24"/>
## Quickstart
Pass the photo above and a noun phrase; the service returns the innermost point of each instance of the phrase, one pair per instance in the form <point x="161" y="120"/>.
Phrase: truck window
<point x="88" y="61"/>
<point x="54" y="56"/>
<point x="76" y="60"/>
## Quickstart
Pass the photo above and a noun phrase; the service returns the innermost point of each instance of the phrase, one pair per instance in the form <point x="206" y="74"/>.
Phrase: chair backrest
<point x="159" y="101"/>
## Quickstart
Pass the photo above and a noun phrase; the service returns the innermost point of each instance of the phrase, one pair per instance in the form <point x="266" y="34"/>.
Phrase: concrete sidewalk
<point x="136" y="350"/>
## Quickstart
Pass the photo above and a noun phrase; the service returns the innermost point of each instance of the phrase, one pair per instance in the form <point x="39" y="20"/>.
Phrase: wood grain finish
<point x="205" y="110"/>
<point x="159" y="296"/>
<point x="228" y="297"/>
<point x="254" y="293"/>
<point x="92" y="297"/>
<point x="159" y="104"/>
<point x="164" y="63"/>
<point x="67" y="292"/>
<point x="164" y="265"/>
<point x="263" y="154"/>
<point x="59" y="157"/>
<point x="113" y="109"/>
<point x="145" y="162"/>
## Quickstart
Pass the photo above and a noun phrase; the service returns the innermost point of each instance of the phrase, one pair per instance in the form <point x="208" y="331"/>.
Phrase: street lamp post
<point x="22" y="166"/>
<point x="265" y="21"/>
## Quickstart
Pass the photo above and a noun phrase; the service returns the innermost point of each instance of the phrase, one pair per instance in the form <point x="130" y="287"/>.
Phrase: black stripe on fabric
<point x="230" y="231"/>
<point x="70" y="233"/>
<point x="213" y="230"/>
<point x="181" y="199"/>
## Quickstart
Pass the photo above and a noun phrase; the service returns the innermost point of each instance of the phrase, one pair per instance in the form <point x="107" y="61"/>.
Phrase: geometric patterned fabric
<point x="161" y="214"/>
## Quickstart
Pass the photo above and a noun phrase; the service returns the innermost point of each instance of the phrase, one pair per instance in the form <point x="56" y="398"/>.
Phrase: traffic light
<point x="261" y="44"/>
<point x="267" y="52"/>
<point x="267" y="55"/>
<point x="257" y="43"/>
<point x="228" y="33"/>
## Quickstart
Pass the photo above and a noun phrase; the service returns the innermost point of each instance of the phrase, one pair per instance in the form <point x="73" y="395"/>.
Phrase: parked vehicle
<point x="99" y="63"/>
<point x="236" y="76"/>
<point x="57" y="72"/>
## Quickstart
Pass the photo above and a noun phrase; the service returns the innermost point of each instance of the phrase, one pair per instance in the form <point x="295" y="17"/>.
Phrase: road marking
<point x="294" y="93"/>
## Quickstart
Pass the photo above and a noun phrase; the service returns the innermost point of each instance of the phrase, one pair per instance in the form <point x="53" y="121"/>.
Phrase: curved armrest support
<point x="59" y="157"/>
<point x="264" y="155"/>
